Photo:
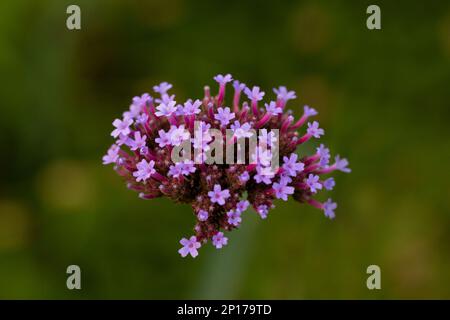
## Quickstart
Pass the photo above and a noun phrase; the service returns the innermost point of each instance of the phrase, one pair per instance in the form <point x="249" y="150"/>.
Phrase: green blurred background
<point x="383" y="99"/>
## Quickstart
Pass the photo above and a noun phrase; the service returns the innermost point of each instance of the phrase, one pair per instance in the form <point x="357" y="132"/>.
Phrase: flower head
<point x="154" y="133"/>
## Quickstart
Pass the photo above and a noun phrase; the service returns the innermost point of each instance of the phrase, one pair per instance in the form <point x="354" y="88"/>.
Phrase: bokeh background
<point x="383" y="98"/>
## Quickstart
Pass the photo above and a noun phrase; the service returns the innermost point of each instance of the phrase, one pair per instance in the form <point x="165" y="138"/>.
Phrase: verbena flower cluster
<point x="219" y="193"/>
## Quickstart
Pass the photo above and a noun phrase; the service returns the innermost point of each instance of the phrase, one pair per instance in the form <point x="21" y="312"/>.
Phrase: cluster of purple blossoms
<point x="219" y="194"/>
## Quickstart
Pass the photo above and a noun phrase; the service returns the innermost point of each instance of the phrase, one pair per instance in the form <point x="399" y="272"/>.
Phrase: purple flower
<point x="192" y="108"/>
<point x="341" y="164"/>
<point x="112" y="155"/>
<point x="142" y="119"/>
<point x="234" y="217"/>
<point x="175" y="171"/>
<point x="262" y="156"/>
<point x="219" y="240"/>
<point x="166" y="109"/>
<point x="187" y="167"/>
<point x="283" y="94"/>
<point x="314" y="130"/>
<point x="182" y="168"/>
<point x="242" y="130"/>
<point x="138" y="141"/>
<point x="144" y="170"/>
<point x="255" y="94"/>
<point x="179" y="110"/>
<point x="202" y="215"/>
<point x="324" y="154"/>
<point x="244" y="177"/>
<point x="218" y="195"/>
<point x="282" y="190"/>
<point x="189" y="247"/>
<point x="309" y="112"/>
<point x="122" y="127"/>
<point x="123" y="140"/>
<point x="224" y="116"/>
<point x="162" y="88"/>
<point x="267" y="138"/>
<point x="165" y="98"/>
<point x="222" y="80"/>
<point x="291" y="166"/>
<point x="242" y="205"/>
<point x="201" y="136"/>
<point x="178" y="135"/>
<point x="263" y="210"/>
<point x="313" y="183"/>
<point x="143" y="150"/>
<point x="285" y="179"/>
<point x="328" y="208"/>
<point x="201" y="142"/>
<point x="238" y="86"/>
<point x="203" y="126"/>
<point x="138" y="104"/>
<point x="200" y="158"/>
<point x="329" y="184"/>
<point x="273" y="109"/>
<point x="263" y="174"/>
<point x="164" y="138"/>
